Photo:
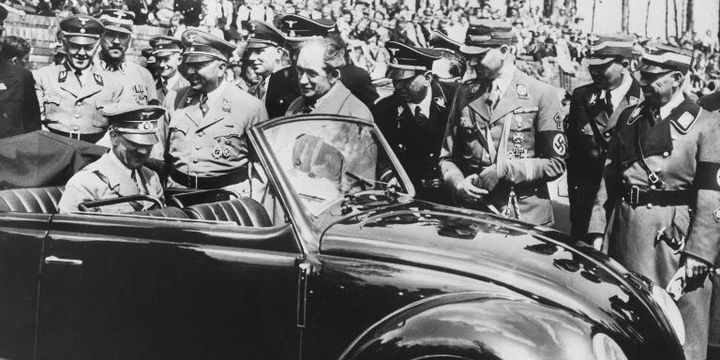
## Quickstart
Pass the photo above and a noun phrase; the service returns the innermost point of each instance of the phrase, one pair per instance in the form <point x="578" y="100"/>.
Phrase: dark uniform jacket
<point x="359" y="82"/>
<point x="525" y="131"/>
<point x="19" y="107"/>
<point x="416" y="141"/>
<point x="683" y="151"/>
<point x="282" y="89"/>
<point x="590" y="126"/>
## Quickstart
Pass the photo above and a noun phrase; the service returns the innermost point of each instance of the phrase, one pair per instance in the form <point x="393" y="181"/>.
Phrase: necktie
<point x="608" y="103"/>
<point x="164" y="86"/>
<point x="493" y="97"/>
<point x="203" y="103"/>
<point x="309" y="107"/>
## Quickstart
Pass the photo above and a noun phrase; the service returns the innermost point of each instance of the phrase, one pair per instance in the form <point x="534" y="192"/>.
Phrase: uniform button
<point x="649" y="206"/>
<point x="653" y="187"/>
<point x="77" y="116"/>
<point x="607" y="134"/>
<point x="200" y="134"/>
<point x="76" y="128"/>
<point x="227" y="142"/>
<point x="194" y="161"/>
<point x="197" y="147"/>
<point x="666" y="154"/>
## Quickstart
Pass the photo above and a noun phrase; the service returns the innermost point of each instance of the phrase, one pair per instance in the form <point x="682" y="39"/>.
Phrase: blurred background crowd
<point x="550" y="46"/>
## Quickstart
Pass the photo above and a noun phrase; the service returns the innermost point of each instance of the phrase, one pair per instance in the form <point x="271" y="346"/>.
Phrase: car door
<point x="21" y="238"/>
<point x="123" y="287"/>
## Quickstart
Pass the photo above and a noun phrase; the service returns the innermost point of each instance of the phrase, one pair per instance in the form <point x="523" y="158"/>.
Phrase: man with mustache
<point x="661" y="188"/>
<point x="593" y="118"/>
<point x="167" y="51"/>
<point x="205" y="140"/>
<point x="72" y="94"/>
<point x="121" y="171"/>
<point x="413" y="118"/>
<point x="138" y="83"/>
<point x="504" y="138"/>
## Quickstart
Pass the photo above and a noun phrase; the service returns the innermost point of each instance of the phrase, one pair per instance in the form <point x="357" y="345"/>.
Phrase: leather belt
<point x="636" y="196"/>
<point x="91" y="138"/>
<point x="207" y="182"/>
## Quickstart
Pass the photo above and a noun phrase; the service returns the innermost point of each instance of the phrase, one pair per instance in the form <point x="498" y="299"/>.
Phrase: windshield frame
<point x="276" y="174"/>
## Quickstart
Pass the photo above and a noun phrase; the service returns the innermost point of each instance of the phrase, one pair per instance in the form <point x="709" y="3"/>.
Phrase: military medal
<point x="474" y="89"/>
<point x="593" y="99"/>
<point x="226" y="105"/>
<point x="633" y="100"/>
<point x="226" y="153"/>
<point x="518" y="138"/>
<point x="518" y="121"/>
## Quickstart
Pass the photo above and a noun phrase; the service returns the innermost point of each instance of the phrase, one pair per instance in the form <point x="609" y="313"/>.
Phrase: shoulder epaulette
<point x="685" y="116"/>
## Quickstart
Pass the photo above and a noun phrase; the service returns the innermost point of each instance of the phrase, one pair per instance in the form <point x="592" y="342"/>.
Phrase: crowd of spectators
<point x="547" y="40"/>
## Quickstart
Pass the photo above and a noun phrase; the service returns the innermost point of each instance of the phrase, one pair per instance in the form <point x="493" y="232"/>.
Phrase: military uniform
<point x="512" y="135"/>
<point x="338" y="100"/>
<point x="659" y="171"/>
<point x="71" y="101"/>
<point x="108" y="178"/>
<point x="138" y="84"/>
<point x="590" y="125"/>
<point x="415" y="133"/>
<point x="280" y="89"/>
<point x="210" y="150"/>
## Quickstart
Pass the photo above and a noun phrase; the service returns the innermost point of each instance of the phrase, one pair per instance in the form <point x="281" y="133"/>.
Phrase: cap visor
<point x="141" y="139"/>
<point x="119" y="29"/>
<point x="256" y="45"/>
<point x="599" y="61"/>
<point x="196" y="58"/>
<point x="653" y="69"/>
<point x="400" y="74"/>
<point x="81" y="40"/>
<point x="473" y="50"/>
<point x="165" y="53"/>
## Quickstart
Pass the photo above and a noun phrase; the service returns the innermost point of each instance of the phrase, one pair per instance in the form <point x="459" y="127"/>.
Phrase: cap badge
<point x="522" y="90"/>
<point x="145" y="115"/>
<point x="82" y="30"/>
<point x="292" y="33"/>
<point x="83" y="21"/>
<point x="592" y="39"/>
<point x="191" y="37"/>
<point x="717" y="177"/>
<point x="119" y="14"/>
<point x="191" y="49"/>
<point x="393" y="51"/>
<point x="147" y="125"/>
<point x="290" y="23"/>
<point x="226" y="105"/>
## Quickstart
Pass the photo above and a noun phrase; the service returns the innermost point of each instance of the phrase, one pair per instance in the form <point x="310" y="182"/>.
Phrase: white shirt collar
<point x="617" y="94"/>
<point x="424" y="103"/>
<point x="674" y="102"/>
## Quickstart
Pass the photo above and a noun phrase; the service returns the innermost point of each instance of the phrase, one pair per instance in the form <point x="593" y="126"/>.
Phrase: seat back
<point x="168" y="212"/>
<point x="31" y="200"/>
<point x="244" y="211"/>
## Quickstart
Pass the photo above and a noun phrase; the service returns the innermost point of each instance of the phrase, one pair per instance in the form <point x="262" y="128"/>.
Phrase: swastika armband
<point x="707" y="176"/>
<point x="552" y="144"/>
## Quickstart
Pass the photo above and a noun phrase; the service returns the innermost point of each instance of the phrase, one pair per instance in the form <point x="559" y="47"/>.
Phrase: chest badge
<point x="634" y="116"/>
<point x="593" y="99"/>
<point x="3" y="86"/>
<point x="474" y="89"/>
<point x="440" y="101"/>
<point x="633" y="100"/>
<point x="522" y="90"/>
<point x="226" y="106"/>
<point x="716" y="215"/>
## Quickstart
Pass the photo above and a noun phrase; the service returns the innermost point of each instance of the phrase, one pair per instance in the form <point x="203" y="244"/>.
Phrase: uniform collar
<point x="118" y="165"/>
<point x="213" y="95"/>
<point x="506" y="77"/>
<point x="107" y="67"/>
<point x="424" y="103"/>
<point x="674" y="102"/>
<point x="617" y="94"/>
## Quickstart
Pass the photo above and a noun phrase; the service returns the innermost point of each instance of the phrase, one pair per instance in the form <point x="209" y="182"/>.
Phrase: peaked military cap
<point x="406" y="61"/>
<point x="165" y="45"/>
<point x="81" y="29"/>
<point x="660" y="58"/>
<point x="604" y="48"/>
<point x="298" y="27"/>
<point x="201" y="46"/>
<point x="263" y="35"/>
<point x="117" y="20"/>
<point x="137" y="123"/>
<point x="147" y="53"/>
<point x="484" y="34"/>
<point x="439" y="40"/>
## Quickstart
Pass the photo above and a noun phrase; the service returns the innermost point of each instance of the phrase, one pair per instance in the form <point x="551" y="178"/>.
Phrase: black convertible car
<point x="331" y="259"/>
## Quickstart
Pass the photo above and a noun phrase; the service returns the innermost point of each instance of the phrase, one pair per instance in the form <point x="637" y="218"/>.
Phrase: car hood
<point x="515" y="255"/>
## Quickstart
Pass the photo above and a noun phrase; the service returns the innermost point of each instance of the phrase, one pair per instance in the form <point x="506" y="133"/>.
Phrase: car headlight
<point x="606" y="348"/>
<point x="667" y="304"/>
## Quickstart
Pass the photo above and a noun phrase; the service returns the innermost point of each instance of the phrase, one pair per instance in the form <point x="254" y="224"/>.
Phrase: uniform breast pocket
<point x="140" y="94"/>
<point x="228" y="147"/>
<point x="52" y="104"/>
<point x="178" y="131"/>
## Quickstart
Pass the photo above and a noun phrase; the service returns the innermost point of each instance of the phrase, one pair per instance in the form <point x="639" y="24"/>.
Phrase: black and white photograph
<point x="360" y="179"/>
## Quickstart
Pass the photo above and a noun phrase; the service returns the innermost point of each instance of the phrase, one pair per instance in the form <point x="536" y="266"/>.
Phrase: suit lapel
<point x="334" y="99"/>
<point x="478" y="105"/>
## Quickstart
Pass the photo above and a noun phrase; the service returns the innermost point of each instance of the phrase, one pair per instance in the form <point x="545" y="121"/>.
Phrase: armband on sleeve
<point x="707" y="176"/>
<point x="552" y="144"/>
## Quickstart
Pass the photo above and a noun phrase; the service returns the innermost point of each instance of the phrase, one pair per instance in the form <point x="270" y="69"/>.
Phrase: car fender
<point x="476" y="326"/>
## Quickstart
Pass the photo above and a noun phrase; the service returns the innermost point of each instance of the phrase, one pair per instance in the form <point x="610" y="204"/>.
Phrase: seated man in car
<point x="121" y="171"/>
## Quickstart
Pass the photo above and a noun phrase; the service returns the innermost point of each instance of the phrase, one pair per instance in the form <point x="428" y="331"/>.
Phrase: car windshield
<point x="327" y="161"/>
